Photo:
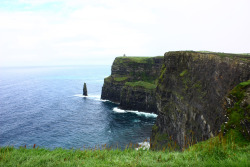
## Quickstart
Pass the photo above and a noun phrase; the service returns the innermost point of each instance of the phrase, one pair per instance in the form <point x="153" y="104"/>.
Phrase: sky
<point x="86" y="32"/>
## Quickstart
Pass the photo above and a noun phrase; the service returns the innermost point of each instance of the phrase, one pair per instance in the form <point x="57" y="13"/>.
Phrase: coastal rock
<point x="85" y="92"/>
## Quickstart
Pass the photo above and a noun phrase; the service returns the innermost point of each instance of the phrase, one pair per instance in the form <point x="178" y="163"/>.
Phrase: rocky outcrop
<point x="133" y="82"/>
<point x="191" y="93"/>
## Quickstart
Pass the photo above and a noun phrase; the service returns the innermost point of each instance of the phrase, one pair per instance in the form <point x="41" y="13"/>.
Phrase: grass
<point x="229" y="150"/>
<point x="119" y="79"/>
<point x="137" y="59"/>
<point x="240" y="56"/>
<point x="142" y="84"/>
<point x="247" y="54"/>
<point x="183" y="73"/>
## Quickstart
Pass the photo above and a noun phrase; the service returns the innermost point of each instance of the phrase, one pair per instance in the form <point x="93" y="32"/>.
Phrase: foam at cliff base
<point x="90" y="96"/>
<point x="118" y="110"/>
<point x="94" y="97"/>
<point x="143" y="145"/>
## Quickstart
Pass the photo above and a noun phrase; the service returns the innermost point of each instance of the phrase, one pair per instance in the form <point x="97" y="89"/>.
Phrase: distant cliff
<point x="133" y="82"/>
<point x="191" y="94"/>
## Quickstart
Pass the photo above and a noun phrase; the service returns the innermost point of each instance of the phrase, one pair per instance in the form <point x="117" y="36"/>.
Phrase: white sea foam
<point x="90" y="96"/>
<point x="144" y="145"/>
<point x="94" y="97"/>
<point x="103" y="100"/>
<point x="143" y="113"/>
<point x="118" y="110"/>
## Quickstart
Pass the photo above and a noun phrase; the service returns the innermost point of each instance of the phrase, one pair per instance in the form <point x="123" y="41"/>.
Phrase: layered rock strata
<point x="191" y="93"/>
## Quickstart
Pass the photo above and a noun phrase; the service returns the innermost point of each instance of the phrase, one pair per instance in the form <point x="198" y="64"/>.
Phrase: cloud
<point x="49" y="32"/>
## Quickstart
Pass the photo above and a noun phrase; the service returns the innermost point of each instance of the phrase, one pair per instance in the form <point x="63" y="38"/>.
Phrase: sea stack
<point x="85" y="92"/>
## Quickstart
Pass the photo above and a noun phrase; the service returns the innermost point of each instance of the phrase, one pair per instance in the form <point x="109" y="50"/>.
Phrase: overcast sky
<point x="61" y="32"/>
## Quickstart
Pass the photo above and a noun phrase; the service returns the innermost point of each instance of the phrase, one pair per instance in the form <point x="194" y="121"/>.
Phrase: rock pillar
<point x="85" y="92"/>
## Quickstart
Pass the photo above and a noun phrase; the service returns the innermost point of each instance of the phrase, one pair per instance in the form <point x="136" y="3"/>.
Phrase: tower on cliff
<point x="85" y="92"/>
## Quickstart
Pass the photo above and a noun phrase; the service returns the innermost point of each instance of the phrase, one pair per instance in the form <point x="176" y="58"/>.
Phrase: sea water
<point x="45" y="106"/>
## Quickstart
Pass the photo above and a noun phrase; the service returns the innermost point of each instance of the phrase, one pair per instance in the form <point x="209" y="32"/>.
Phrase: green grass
<point x="183" y="73"/>
<point x="142" y="84"/>
<point x="218" y="151"/>
<point x="241" y="56"/>
<point x="137" y="59"/>
<point x="222" y="53"/>
<point x="119" y="79"/>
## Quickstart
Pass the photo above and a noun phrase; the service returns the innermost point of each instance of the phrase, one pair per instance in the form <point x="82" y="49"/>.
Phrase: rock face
<point x="191" y="94"/>
<point x="138" y="98"/>
<point x="133" y="82"/>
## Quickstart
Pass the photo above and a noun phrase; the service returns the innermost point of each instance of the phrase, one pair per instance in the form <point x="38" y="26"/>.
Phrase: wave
<point x="143" y="145"/>
<point x="90" y="96"/>
<point x="94" y="97"/>
<point x="118" y="110"/>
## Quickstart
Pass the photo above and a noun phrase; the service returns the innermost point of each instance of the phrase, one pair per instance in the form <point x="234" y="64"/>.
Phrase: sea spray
<point x="118" y="110"/>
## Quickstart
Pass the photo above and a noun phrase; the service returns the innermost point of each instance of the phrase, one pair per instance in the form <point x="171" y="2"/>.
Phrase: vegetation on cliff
<point x="238" y="110"/>
<point x="142" y="84"/>
<point x="141" y="60"/>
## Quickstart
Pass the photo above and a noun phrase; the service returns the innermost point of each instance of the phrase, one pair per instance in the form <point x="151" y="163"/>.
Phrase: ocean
<point x="45" y="106"/>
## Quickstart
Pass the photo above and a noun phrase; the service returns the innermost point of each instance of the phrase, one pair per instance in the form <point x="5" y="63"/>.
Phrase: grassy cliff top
<point x="122" y="59"/>
<point x="241" y="56"/>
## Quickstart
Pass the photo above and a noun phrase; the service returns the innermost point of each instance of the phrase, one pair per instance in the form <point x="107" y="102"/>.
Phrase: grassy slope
<point x="230" y="150"/>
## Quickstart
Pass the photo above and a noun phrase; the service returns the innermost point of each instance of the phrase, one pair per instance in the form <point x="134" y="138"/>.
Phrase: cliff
<point x="191" y="95"/>
<point x="192" y="92"/>
<point x="132" y="82"/>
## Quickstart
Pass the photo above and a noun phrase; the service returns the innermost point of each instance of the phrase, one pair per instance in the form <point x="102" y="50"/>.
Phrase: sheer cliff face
<point x="132" y="82"/>
<point x="191" y="93"/>
<point x="188" y="90"/>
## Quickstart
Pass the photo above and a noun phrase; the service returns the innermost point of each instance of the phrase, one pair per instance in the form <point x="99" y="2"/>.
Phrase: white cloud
<point x="76" y="31"/>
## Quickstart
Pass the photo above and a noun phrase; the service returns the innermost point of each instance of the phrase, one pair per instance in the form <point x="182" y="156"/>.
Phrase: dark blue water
<point x="44" y="106"/>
